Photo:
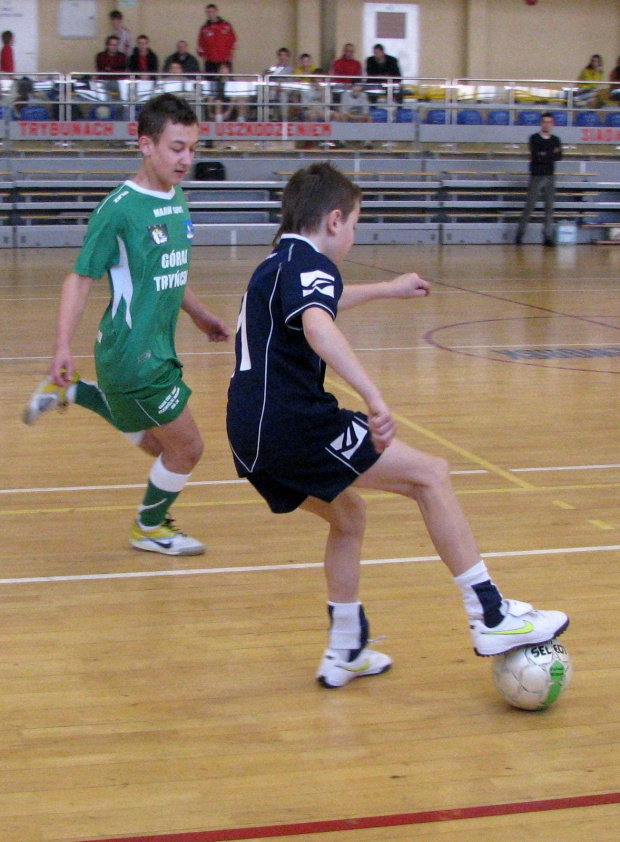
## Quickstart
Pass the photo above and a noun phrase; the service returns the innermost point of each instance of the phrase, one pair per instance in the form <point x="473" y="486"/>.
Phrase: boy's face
<point x="168" y="160"/>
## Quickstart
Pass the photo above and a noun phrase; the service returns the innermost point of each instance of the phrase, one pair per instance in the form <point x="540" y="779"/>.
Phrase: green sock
<point x="90" y="396"/>
<point x="155" y="504"/>
<point x="162" y="490"/>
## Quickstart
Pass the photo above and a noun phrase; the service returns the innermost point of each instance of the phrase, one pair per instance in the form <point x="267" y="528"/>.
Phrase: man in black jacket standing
<point x="545" y="150"/>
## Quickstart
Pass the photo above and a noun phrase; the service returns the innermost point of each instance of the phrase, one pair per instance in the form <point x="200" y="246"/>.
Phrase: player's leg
<point x="48" y="396"/>
<point x="179" y="447"/>
<point x="346" y="657"/>
<point x="497" y="625"/>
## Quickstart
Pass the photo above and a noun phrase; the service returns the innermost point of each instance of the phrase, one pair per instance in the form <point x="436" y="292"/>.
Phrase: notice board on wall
<point x="77" y="18"/>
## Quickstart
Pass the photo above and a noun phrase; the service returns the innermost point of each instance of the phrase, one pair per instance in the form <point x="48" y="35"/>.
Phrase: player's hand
<point x="410" y="285"/>
<point x="62" y="368"/>
<point x="215" y="328"/>
<point x="382" y="425"/>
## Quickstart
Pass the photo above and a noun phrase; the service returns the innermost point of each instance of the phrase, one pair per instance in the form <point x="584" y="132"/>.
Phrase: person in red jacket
<point x="7" y="60"/>
<point x="346" y="66"/>
<point x="216" y="40"/>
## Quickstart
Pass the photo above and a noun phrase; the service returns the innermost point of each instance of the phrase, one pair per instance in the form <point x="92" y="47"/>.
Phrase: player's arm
<point x="73" y="297"/>
<point x="205" y="321"/>
<point x="404" y="286"/>
<point x="330" y="344"/>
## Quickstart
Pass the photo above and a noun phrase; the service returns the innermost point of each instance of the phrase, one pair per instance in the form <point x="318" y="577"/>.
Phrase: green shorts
<point x="150" y="407"/>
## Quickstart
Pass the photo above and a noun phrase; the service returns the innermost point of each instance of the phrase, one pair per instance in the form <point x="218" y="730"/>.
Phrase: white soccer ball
<point x="533" y="677"/>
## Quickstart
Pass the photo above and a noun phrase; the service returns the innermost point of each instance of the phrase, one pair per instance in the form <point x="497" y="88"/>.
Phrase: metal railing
<point x="318" y="98"/>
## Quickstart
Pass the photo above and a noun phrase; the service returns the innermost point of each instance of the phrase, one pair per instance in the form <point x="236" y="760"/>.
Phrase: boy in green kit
<point x="141" y="235"/>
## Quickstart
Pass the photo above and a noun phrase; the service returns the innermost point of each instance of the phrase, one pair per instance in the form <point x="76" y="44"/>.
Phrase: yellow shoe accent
<point x="47" y="396"/>
<point x="166" y="539"/>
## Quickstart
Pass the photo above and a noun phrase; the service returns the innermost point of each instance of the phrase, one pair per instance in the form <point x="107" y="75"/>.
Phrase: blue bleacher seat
<point x="378" y="115"/>
<point x="498" y="118"/>
<point x="404" y="115"/>
<point x="436" y="115"/>
<point x="103" y="112"/>
<point x="34" y="112"/>
<point x="528" y="118"/>
<point x="469" y="117"/>
<point x="560" y="118"/>
<point x="587" y="118"/>
<point x="612" y="119"/>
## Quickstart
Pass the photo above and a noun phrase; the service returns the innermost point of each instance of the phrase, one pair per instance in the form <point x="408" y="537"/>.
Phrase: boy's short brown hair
<point x="311" y="194"/>
<point x="162" y="109"/>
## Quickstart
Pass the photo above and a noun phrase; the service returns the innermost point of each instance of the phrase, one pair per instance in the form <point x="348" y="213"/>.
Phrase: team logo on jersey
<point x="171" y="401"/>
<point x="318" y="281"/>
<point x="189" y="229"/>
<point x="348" y="442"/>
<point x="159" y="233"/>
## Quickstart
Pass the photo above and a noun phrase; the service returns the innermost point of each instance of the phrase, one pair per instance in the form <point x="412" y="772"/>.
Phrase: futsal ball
<point x="533" y="677"/>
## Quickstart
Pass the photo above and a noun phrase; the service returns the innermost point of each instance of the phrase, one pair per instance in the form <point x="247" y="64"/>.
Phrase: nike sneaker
<point x="165" y="538"/>
<point x="334" y="672"/>
<point x="522" y="626"/>
<point x="47" y="396"/>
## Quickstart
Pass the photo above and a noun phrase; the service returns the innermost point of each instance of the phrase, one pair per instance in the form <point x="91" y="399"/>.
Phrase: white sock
<point x="475" y="606"/>
<point x="346" y="633"/>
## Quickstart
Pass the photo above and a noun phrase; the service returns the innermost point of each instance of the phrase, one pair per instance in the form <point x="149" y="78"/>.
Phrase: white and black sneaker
<point x="335" y="672"/>
<point x="522" y="626"/>
<point x="166" y="539"/>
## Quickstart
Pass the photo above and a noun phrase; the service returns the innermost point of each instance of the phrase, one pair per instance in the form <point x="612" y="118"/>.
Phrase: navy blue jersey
<point x="277" y="404"/>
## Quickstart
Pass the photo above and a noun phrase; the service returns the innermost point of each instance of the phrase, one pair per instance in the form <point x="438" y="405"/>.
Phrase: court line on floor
<point x="444" y="442"/>
<point x="215" y="482"/>
<point x="362" y="350"/>
<point x="270" y="568"/>
<point x="369" y="822"/>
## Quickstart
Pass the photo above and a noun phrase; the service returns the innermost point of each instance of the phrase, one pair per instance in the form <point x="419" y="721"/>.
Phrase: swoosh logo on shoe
<point x="364" y="666"/>
<point x="165" y="545"/>
<point x="525" y="629"/>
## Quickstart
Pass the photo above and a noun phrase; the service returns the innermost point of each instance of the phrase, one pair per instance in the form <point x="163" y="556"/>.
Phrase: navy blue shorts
<point x="323" y="469"/>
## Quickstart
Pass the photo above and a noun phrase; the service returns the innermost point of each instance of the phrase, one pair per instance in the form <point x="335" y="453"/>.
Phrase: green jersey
<point x="142" y="239"/>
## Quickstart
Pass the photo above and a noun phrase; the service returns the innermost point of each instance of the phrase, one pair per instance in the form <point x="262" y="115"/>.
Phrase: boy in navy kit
<point x="297" y="447"/>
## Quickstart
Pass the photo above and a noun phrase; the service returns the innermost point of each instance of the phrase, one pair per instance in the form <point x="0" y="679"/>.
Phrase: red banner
<point x="56" y="128"/>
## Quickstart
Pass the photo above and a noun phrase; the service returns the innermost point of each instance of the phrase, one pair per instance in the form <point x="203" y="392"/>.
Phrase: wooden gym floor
<point x="174" y="699"/>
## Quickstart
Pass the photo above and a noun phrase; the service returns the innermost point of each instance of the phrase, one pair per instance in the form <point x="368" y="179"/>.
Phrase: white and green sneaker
<point x="166" y="539"/>
<point x="522" y="626"/>
<point x="47" y="396"/>
<point x="334" y="672"/>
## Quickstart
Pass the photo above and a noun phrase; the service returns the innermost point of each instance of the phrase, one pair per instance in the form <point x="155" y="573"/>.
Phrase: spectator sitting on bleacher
<point x="305" y="68"/>
<point x="226" y="109"/>
<point x="382" y="65"/>
<point x="346" y="66"/>
<point x="589" y="93"/>
<point x="278" y="94"/>
<point x="312" y="100"/>
<point x="122" y="33"/>
<point x="143" y="60"/>
<point x="614" y="78"/>
<point x="354" y="105"/>
<point x="188" y="62"/>
<point x="110" y="60"/>
<point x="7" y="59"/>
